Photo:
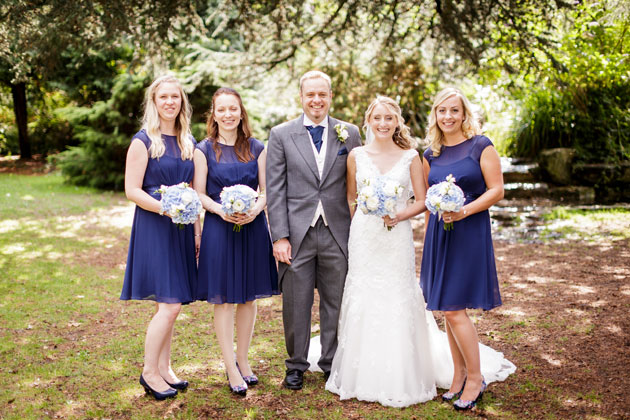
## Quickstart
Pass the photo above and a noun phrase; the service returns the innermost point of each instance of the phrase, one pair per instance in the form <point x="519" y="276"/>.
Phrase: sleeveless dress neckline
<point x="369" y="158"/>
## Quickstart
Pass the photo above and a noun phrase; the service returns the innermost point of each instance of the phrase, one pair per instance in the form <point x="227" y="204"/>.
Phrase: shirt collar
<point x="307" y="122"/>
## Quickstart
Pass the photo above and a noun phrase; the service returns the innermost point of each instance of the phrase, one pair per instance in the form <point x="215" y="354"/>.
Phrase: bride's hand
<point x="390" y="221"/>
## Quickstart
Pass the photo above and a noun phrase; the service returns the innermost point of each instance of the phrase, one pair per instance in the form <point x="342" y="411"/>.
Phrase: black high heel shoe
<point x="469" y="405"/>
<point x="450" y="396"/>
<point x="250" y="380"/>
<point x="181" y="385"/>
<point x="169" y="393"/>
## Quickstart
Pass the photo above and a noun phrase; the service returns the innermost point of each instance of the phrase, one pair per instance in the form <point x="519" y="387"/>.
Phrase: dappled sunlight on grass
<point x="15" y="248"/>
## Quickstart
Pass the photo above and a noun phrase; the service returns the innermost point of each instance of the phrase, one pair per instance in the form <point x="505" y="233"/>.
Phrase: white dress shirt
<point x="320" y="158"/>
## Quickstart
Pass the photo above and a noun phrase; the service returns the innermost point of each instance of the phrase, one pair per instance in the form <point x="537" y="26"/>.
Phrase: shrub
<point x="104" y="132"/>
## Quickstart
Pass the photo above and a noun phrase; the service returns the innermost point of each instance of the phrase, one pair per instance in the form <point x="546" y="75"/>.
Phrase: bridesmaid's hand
<point x="450" y="216"/>
<point x="228" y="218"/>
<point x="197" y="245"/>
<point x="245" y="218"/>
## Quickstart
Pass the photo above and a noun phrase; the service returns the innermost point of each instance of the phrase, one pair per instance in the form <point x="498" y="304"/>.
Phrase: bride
<point x="390" y="349"/>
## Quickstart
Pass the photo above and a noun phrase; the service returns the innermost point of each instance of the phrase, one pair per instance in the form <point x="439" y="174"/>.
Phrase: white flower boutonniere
<point x="342" y="132"/>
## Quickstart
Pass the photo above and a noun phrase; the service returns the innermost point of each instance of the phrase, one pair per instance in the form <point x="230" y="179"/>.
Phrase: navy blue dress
<point x="234" y="267"/>
<point x="161" y="264"/>
<point x="458" y="269"/>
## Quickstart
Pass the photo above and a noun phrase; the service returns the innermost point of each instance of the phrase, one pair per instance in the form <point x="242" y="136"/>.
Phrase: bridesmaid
<point x="234" y="267"/>
<point x="161" y="262"/>
<point x="458" y="269"/>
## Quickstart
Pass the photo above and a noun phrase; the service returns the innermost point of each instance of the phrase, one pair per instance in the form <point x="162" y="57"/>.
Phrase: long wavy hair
<point x="470" y="124"/>
<point x="243" y="131"/>
<point x="151" y="121"/>
<point x="402" y="135"/>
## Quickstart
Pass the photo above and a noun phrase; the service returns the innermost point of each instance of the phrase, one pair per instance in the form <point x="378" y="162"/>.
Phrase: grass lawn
<point x="70" y="348"/>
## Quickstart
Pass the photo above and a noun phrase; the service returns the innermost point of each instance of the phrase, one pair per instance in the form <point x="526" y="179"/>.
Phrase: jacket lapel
<point x="302" y="141"/>
<point x="332" y="148"/>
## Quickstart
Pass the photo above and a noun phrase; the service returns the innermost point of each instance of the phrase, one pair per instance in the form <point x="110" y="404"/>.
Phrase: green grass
<point x="70" y="349"/>
<point x="586" y="224"/>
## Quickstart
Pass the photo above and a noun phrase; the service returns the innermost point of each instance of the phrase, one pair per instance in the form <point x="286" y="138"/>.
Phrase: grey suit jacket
<point x="294" y="187"/>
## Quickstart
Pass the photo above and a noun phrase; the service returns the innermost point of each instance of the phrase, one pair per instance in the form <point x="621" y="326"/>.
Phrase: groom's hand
<point x="282" y="251"/>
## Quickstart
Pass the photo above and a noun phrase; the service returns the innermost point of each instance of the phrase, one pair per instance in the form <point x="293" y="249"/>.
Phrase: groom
<point x="309" y="220"/>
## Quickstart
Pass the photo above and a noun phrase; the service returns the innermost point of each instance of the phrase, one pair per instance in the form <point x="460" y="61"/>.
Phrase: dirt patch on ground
<point x="35" y="166"/>
<point x="565" y="324"/>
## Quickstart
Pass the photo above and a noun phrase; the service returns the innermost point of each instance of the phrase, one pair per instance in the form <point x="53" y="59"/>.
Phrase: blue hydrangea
<point x="378" y="196"/>
<point x="445" y="196"/>
<point x="237" y="198"/>
<point x="181" y="203"/>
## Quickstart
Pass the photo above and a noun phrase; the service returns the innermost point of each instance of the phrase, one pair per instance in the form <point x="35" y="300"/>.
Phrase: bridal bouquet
<point x="378" y="196"/>
<point x="181" y="203"/>
<point x="238" y="198"/>
<point x="445" y="196"/>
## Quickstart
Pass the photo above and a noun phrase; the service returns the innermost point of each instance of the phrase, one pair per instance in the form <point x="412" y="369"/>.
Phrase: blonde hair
<point x="315" y="74"/>
<point x="470" y="124"/>
<point x="402" y="135"/>
<point x="151" y="121"/>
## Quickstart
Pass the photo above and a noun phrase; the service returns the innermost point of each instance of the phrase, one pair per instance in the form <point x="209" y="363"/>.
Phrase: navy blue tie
<point x="316" y="134"/>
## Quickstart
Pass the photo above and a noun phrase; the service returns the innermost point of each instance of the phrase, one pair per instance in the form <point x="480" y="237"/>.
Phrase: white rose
<point x="390" y="205"/>
<point x="187" y="197"/>
<point x="372" y="203"/>
<point x="238" y="205"/>
<point x="344" y="134"/>
<point x="435" y="201"/>
<point x="448" y="206"/>
<point x="390" y="188"/>
<point x="367" y="191"/>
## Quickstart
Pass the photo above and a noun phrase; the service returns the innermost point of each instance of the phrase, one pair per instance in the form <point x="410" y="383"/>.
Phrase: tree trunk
<point x="19" y="107"/>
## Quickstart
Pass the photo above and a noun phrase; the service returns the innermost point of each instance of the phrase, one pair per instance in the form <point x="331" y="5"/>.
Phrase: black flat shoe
<point x="169" y="393"/>
<point x="326" y="375"/>
<point x="294" y="379"/>
<point x="181" y="385"/>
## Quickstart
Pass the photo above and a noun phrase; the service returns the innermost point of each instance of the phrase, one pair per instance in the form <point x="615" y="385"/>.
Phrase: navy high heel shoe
<point x="240" y="390"/>
<point x="250" y="380"/>
<point x="181" y="385"/>
<point x="450" y="396"/>
<point x="169" y="393"/>
<point x="468" y="405"/>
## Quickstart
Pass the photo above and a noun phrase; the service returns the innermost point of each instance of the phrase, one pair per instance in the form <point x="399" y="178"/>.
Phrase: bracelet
<point x="465" y="211"/>
<point x="197" y="236"/>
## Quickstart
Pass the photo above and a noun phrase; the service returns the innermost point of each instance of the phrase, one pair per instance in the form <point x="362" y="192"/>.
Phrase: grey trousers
<point x="319" y="263"/>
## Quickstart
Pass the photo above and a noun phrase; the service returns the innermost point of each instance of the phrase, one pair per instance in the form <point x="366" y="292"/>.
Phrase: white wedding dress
<point x="390" y="348"/>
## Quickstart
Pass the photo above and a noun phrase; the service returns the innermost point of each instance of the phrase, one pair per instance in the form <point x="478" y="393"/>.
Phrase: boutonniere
<point x="342" y="132"/>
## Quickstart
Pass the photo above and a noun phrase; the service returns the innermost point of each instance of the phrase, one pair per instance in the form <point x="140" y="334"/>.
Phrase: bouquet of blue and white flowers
<point x="238" y="198"/>
<point x="181" y="203"/>
<point x="378" y="196"/>
<point x="445" y="196"/>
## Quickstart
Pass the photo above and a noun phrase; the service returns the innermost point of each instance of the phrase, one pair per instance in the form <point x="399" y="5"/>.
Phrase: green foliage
<point x="582" y="96"/>
<point x="104" y="132"/>
<point x="48" y="131"/>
